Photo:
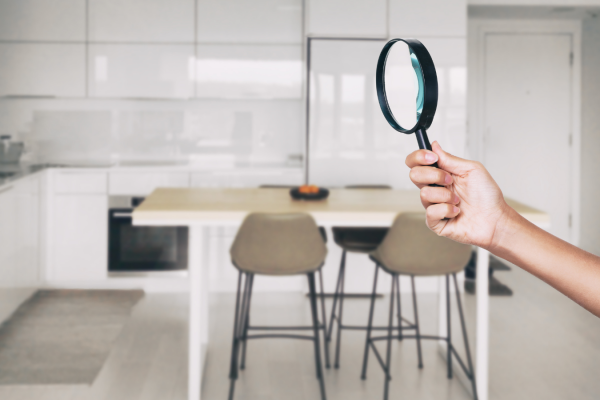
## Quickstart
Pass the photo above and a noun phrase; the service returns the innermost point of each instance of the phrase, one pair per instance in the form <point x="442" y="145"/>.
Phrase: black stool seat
<point x="359" y="240"/>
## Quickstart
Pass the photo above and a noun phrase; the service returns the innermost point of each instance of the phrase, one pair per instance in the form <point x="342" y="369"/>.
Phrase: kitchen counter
<point x="10" y="173"/>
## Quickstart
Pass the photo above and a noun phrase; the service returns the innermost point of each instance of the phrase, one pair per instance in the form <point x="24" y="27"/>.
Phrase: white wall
<point x="590" y="137"/>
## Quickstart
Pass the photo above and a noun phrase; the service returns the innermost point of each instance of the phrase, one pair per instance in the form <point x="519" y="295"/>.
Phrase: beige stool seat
<point x="278" y="244"/>
<point x="411" y="248"/>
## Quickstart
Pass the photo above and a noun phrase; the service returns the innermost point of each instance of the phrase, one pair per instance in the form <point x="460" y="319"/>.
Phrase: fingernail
<point x="456" y="209"/>
<point x="456" y="199"/>
<point x="431" y="157"/>
<point x="448" y="179"/>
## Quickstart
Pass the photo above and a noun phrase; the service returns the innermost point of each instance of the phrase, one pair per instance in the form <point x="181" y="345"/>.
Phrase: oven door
<point x="144" y="248"/>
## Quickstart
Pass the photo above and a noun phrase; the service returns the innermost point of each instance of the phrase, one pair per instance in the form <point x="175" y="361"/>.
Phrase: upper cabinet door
<point x="243" y="21"/>
<point x="42" y="20"/>
<point x="355" y="18"/>
<point x="141" y="70"/>
<point x="249" y="71"/>
<point x="46" y="69"/>
<point x="428" y="18"/>
<point x="150" y="21"/>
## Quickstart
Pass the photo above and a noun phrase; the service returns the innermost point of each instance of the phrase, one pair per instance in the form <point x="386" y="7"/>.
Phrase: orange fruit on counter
<point x="308" y="189"/>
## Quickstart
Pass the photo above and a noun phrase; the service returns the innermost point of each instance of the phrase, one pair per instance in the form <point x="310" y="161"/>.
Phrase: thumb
<point x="448" y="162"/>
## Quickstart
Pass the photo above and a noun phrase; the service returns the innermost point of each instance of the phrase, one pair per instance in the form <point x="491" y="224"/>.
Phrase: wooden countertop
<point x="183" y="206"/>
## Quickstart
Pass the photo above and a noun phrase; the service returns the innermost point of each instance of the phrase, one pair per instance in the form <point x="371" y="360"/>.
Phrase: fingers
<point x="436" y="195"/>
<point x="437" y="212"/>
<point x="454" y="165"/>
<point x="421" y="157"/>
<point x="423" y="176"/>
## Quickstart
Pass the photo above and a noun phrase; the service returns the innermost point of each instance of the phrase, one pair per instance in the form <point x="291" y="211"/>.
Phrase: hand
<point x="469" y="208"/>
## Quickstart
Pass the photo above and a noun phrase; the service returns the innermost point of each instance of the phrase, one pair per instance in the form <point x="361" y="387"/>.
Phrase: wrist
<point x="507" y="226"/>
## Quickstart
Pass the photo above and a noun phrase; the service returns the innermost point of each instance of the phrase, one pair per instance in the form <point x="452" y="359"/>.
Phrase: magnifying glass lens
<point x="404" y="85"/>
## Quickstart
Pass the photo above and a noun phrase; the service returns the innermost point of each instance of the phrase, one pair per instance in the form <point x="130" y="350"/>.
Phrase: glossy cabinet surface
<point x="141" y="71"/>
<point x="150" y="21"/>
<point x="80" y="182"/>
<point x="42" y="20"/>
<point x="20" y="233"/>
<point x="357" y="18"/>
<point x="42" y="69"/>
<point x="8" y="228"/>
<point x="249" y="71"/>
<point x="242" y="21"/>
<point x="79" y="239"/>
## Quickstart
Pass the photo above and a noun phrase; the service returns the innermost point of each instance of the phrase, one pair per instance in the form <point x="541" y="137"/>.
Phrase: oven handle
<point x="122" y="215"/>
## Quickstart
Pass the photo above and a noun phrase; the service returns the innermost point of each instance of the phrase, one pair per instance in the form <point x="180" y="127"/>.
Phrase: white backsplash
<point x="205" y="132"/>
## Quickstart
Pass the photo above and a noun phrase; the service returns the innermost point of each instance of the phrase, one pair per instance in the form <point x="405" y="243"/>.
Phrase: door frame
<point x="478" y="29"/>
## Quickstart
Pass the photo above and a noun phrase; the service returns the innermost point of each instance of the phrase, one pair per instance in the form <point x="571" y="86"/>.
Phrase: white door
<point x="527" y="121"/>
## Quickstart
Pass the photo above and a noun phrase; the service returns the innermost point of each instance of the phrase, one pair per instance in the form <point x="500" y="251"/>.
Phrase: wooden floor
<point x="543" y="346"/>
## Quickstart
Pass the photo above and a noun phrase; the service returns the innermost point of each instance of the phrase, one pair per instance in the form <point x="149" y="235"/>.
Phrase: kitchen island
<point x="200" y="209"/>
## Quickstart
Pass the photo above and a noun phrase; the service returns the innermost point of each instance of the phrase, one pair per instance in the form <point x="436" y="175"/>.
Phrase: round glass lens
<point x="404" y="85"/>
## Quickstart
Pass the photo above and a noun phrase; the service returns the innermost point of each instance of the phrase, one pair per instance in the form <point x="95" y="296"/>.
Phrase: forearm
<point x="572" y="271"/>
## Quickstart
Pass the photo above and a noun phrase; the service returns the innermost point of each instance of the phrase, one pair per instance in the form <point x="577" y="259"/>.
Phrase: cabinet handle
<point x="122" y="215"/>
<point x="6" y="189"/>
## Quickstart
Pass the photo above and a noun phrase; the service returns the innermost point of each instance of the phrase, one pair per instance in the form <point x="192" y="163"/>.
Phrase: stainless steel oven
<point x="140" y="248"/>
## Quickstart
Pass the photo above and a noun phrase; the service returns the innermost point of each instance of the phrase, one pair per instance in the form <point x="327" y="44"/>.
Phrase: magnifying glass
<point x="406" y="70"/>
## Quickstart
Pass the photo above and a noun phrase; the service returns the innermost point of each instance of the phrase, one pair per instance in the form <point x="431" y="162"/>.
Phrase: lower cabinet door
<point x="80" y="237"/>
<point x="8" y="227"/>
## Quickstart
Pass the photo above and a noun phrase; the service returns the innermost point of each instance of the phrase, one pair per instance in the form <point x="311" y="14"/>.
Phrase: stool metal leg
<point x="399" y="308"/>
<point x="339" y="316"/>
<point x="449" y="328"/>
<point x="466" y="339"/>
<point x="325" y="341"/>
<point x="316" y="329"/>
<point x="336" y="295"/>
<point x="247" y="323"/>
<point x="417" y="328"/>
<point x="388" y="356"/>
<point x="233" y="371"/>
<point x="363" y="375"/>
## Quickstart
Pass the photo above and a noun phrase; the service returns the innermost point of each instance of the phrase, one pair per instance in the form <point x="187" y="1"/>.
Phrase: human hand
<point x="469" y="208"/>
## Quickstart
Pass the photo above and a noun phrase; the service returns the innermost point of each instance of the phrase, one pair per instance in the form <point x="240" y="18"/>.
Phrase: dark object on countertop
<point x="320" y="195"/>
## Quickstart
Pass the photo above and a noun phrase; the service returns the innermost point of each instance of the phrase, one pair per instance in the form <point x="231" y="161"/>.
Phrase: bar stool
<point x="410" y="248"/>
<point x="277" y="245"/>
<point x="354" y="240"/>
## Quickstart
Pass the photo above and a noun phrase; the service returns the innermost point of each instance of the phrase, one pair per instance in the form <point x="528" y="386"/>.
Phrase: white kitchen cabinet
<point x="242" y="21"/>
<point x="155" y="21"/>
<point x="355" y="18"/>
<point x="249" y="71"/>
<point x="141" y="70"/>
<point x="42" y="20"/>
<point x="42" y="69"/>
<point x="80" y="182"/>
<point x="27" y="233"/>
<point x="79" y="241"/>
<point x="124" y="183"/>
<point x="19" y="233"/>
<point x="8" y="239"/>
<point x="424" y="18"/>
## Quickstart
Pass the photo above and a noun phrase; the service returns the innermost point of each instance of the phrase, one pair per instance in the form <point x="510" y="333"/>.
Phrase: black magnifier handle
<point x="424" y="144"/>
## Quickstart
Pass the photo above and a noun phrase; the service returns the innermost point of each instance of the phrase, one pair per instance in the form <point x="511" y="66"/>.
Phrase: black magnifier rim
<point x="430" y="85"/>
